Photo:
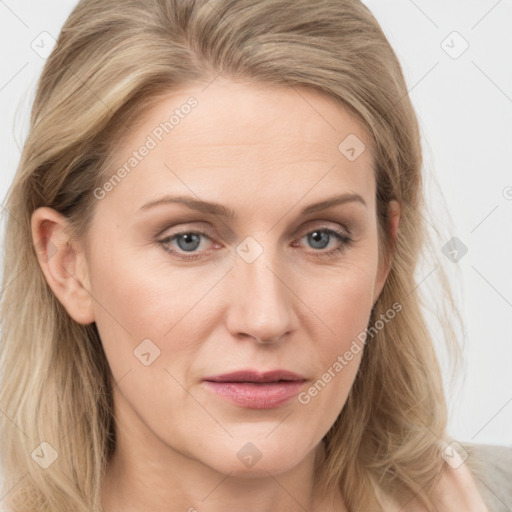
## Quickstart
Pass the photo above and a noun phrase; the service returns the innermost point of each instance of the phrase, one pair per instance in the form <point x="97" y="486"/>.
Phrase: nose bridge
<point x="261" y="303"/>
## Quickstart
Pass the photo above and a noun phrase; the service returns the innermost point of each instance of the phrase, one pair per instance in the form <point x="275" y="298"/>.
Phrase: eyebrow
<point x="218" y="209"/>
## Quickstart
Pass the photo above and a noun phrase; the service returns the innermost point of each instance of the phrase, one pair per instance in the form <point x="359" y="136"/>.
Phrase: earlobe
<point x="63" y="266"/>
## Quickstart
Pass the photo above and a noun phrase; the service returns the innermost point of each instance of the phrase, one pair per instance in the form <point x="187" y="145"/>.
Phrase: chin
<point x="261" y="469"/>
<point x="260" y="457"/>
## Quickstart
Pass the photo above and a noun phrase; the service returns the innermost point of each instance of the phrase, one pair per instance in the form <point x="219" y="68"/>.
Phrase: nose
<point x="260" y="304"/>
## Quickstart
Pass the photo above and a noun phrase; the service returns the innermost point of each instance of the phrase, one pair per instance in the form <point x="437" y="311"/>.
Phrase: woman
<point x="282" y="361"/>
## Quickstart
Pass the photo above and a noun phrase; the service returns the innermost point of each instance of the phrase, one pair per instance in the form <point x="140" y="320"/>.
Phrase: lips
<point x="255" y="376"/>
<point x="256" y="390"/>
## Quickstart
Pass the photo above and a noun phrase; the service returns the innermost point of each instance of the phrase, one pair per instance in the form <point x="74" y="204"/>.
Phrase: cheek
<point x="147" y="311"/>
<point x="350" y="305"/>
<point x="138" y="292"/>
<point x="344" y="308"/>
<point x="143" y="316"/>
<point x="343" y="300"/>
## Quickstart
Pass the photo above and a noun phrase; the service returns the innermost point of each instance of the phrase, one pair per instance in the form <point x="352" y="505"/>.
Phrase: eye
<point x="320" y="238"/>
<point x="187" y="241"/>
<point x="179" y="244"/>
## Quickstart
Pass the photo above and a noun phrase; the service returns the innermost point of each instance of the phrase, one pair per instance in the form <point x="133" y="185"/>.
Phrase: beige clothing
<point x="491" y="468"/>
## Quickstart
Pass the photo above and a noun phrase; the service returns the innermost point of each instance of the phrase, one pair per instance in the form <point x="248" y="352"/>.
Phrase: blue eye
<point x="321" y="237"/>
<point x="189" y="241"/>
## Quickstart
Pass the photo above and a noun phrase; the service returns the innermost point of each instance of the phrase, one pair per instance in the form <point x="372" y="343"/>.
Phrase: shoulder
<point x="477" y="478"/>
<point x="491" y="468"/>
<point x="457" y="490"/>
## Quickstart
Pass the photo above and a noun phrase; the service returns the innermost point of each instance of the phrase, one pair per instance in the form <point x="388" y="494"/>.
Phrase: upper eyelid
<point x="351" y="222"/>
<point x="310" y="226"/>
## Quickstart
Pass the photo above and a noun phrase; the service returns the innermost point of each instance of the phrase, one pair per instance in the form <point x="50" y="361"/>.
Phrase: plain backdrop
<point x="457" y="59"/>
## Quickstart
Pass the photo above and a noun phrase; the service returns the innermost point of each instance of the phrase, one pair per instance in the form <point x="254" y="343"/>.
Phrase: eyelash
<point x="346" y="242"/>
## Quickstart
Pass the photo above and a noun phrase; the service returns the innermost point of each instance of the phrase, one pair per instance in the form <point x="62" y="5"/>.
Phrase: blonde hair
<point x="113" y="59"/>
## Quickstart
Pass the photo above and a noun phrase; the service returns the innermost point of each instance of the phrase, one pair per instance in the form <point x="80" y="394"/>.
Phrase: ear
<point x="394" y="211"/>
<point x="63" y="263"/>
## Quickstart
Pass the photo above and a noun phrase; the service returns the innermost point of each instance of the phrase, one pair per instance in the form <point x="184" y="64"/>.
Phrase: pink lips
<point x="255" y="390"/>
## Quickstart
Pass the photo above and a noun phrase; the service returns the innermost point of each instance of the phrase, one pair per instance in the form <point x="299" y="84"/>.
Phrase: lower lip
<point x="257" y="395"/>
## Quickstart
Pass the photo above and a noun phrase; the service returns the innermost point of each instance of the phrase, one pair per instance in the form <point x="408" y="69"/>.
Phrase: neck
<point x="135" y="482"/>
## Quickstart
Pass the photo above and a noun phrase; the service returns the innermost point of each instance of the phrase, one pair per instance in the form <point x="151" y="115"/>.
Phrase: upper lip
<point x="256" y="376"/>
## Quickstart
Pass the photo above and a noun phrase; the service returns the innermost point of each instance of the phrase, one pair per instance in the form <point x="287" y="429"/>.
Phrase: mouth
<point x="255" y="390"/>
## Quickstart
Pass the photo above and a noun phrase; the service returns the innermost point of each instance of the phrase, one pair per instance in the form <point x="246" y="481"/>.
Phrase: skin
<point x="266" y="153"/>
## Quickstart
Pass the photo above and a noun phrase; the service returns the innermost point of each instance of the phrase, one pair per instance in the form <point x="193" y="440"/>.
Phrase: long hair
<point x="114" y="59"/>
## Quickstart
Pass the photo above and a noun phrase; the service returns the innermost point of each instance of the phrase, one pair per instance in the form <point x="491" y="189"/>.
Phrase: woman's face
<point x="182" y="293"/>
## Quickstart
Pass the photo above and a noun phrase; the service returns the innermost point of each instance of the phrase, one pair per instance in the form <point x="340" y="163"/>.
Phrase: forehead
<point x="226" y="138"/>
